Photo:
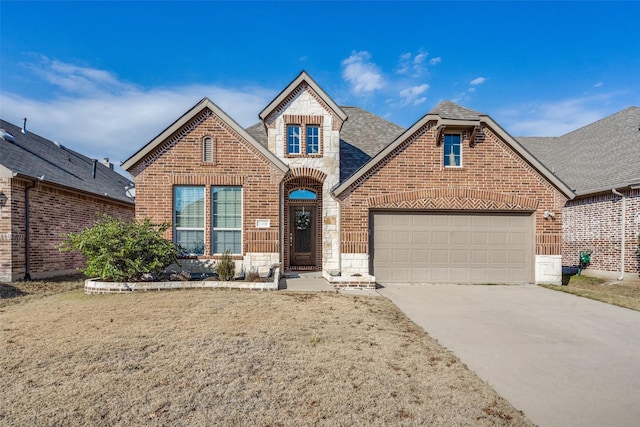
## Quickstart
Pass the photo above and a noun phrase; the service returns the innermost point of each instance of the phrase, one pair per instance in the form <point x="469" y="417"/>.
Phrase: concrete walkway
<point x="562" y="359"/>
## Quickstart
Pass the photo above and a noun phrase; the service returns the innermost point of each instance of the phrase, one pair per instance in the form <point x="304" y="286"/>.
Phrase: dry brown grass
<point x="624" y="294"/>
<point x="223" y="357"/>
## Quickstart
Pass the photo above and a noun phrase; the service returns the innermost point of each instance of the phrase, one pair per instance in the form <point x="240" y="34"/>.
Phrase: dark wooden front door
<point x="303" y="226"/>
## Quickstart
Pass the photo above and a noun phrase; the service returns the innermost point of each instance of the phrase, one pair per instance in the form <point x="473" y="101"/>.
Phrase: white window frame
<point x="176" y="229"/>
<point x="317" y="139"/>
<point x="299" y="152"/>
<point x="445" y="154"/>
<point x="214" y="229"/>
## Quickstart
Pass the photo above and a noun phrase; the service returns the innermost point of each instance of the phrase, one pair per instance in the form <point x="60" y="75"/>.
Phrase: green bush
<point x="226" y="268"/>
<point x="118" y="250"/>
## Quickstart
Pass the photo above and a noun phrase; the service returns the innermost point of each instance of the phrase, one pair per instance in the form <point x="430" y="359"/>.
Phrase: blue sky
<point x="103" y="78"/>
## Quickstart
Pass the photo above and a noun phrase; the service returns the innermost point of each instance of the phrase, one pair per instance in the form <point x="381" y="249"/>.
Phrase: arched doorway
<point x="303" y="224"/>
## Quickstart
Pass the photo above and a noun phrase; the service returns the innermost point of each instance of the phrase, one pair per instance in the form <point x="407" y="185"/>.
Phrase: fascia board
<point x="303" y="76"/>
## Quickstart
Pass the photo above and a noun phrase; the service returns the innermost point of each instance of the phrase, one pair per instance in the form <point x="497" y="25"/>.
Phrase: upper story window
<point x="207" y="149"/>
<point x="313" y="139"/>
<point x="188" y="221"/>
<point x="293" y="139"/>
<point x="452" y="150"/>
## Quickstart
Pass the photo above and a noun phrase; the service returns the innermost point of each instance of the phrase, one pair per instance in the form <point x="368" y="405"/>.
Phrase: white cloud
<point x="477" y="81"/>
<point x="599" y="84"/>
<point x="554" y="118"/>
<point x="435" y="61"/>
<point x="412" y="65"/>
<point x="413" y="94"/>
<point x="363" y="75"/>
<point x="101" y="116"/>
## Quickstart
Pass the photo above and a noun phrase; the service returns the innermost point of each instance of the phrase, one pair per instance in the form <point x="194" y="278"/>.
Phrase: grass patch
<point x="225" y="357"/>
<point x="21" y="292"/>
<point x="624" y="294"/>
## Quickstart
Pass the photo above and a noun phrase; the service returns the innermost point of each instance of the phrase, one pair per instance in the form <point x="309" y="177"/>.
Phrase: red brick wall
<point x="5" y="229"/>
<point x="594" y="223"/>
<point x="178" y="161"/>
<point x="53" y="213"/>
<point x="492" y="177"/>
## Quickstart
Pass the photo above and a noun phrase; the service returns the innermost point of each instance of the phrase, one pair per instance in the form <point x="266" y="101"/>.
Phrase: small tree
<point x="118" y="250"/>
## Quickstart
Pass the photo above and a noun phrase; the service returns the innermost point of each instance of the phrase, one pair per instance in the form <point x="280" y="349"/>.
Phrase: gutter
<point x="622" y="231"/>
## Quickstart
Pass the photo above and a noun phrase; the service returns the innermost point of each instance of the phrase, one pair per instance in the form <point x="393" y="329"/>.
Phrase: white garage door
<point x="453" y="248"/>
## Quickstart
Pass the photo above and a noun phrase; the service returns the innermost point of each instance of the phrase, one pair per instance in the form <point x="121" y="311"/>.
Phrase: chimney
<point x="106" y="162"/>
<point x="24" y="126"/>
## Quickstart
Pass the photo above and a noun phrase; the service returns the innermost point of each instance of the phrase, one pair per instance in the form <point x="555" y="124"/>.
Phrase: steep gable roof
<point x="186" y="118"/>
<point x="35" y="157"/>
<point x="597" y="157"/>
<point x="303" y="77"/>
<point x="362" y="136"/>
<point x="449" y="114"/>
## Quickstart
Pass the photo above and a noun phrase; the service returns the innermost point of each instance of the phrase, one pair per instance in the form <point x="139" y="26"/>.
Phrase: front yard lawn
<point x="624" y="294"/>
<point x="225" y="357"/>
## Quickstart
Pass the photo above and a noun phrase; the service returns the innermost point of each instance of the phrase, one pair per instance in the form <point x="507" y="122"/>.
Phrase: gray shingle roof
<point x="362" y="136"/>
<point x="34" y="156"/>
<point x="600" y="156"/>
<point x="449" y="110"/>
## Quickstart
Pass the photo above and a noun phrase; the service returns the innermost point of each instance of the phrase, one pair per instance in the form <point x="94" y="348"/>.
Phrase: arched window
<point x="301" y="194"/>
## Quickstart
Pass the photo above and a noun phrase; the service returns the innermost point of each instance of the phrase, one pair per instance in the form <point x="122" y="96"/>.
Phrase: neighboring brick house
<point x="46" y="191"/>
<point x="601" y="163"/>
<point x="319" y="187"/>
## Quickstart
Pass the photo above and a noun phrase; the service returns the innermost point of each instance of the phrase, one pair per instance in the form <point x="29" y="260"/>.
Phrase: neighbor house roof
<point x="186" y="118"/>
<point x="31" y="156"/>
<point x="449" y="114"/>
<point x="597" y="157"/>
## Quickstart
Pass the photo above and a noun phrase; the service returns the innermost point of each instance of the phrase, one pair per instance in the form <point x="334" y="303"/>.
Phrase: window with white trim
<point x="293" y="139"/>
<point x="226" y="220"/>
<point x="188" y="218"/>
<point x="452" y="150"/>
<point x="313" y="139"/>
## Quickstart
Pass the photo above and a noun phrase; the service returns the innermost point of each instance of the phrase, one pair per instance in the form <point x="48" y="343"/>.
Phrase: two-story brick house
<point x="319" y="187"/>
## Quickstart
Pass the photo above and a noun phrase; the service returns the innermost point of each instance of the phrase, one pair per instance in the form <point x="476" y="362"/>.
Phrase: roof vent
<point x="57" y="144"/>
<point x="7" y="136"/>
<point x="24" y="126"/>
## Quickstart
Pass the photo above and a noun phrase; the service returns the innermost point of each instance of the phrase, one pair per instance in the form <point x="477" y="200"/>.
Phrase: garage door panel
<point x="453" y="248"/>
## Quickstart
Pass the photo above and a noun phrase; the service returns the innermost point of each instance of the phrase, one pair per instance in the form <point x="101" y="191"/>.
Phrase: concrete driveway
<point x="562" y="359"/>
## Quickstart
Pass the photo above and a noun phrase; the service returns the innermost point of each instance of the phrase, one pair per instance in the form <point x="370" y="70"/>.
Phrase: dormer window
<point x="313" y="139"/>
<point x="452" y="150"/>
<point x="293" y="139"/>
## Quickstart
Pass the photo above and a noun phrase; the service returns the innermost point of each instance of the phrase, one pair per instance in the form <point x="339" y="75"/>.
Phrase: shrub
<point x="226" y="268"/>
<point x="118" y="250"/>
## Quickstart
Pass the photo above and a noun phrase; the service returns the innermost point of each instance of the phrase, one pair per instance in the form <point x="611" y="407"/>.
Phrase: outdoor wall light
<point x="548" y="214"/>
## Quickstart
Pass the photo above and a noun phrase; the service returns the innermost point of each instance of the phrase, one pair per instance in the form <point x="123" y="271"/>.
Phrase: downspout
<point x="27" y="245"/>
<point x="622" y="231"/>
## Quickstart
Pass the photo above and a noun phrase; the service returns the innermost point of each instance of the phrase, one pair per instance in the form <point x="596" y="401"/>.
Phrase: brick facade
<point x="178" y="161"/>
<point x="53" y="212"/>
<point x="594" y="223"/>
<point x="493" y="177"/>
